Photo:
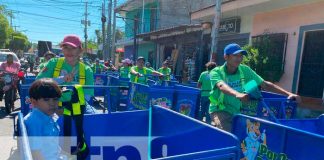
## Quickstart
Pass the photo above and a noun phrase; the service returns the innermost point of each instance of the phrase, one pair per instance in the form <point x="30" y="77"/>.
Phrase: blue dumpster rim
<point x="276" y="124"/>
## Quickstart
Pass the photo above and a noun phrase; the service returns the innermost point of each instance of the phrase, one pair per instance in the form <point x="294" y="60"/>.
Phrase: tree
<point x="99" y="36"/>
<point x="4" y="31"/>
<point x="253" y="59"/>
<point x="119" y="34"/>
<point x="19" y="42"/>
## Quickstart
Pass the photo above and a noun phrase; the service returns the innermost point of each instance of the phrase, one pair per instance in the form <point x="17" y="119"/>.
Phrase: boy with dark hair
<point x="41" y="126"/>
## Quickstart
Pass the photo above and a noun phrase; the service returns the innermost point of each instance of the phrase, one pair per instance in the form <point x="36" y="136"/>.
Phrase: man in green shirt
<point x="139" y="73"/>
<point x="47" y="56"/>
<point x="205" y="86"/>
<point x="125" y="69"/>
<point x="166" y="71"/>
<point x="227" y="82"/>
<point x="98" y="68"/>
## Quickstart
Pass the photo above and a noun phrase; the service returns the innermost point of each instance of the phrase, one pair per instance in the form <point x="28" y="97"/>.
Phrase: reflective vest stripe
<point x="82" y="75"/>
<point x="80" y="94"/>
<point x="58" y="67"/>
<point x="76" y="107"/>
<point x="66" y="112"/>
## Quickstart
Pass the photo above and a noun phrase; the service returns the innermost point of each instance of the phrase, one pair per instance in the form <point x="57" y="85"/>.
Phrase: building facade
<point x="299" y="28"/>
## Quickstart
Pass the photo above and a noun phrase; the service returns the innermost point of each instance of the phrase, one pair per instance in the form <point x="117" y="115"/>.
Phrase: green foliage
<point x="4" y="31"/>
<point x="19" y="43"/>
<point x="15" y="41"/>
<point x="119" y="34"/>
<point x="92" y="44"/>
<point x="265" y="57"/>
<point x="254" y="59"/>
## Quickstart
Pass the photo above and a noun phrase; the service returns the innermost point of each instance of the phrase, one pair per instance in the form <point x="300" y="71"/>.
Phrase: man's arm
<point x="157" y="73"/>
<point x="275" y="88"/>
<point x="133" y="72"/>
<point x="230" y="91"/>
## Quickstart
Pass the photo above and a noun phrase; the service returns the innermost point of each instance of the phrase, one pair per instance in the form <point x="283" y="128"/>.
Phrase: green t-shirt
<point x="231" y="103"/>
<point x="143" y="79"/>
<point x="48" y="70"/>
<point x="124" y="72"/>
<point x="97" y="68"/>
<point x="167" y="72"/>
<point x="204" y="79"/>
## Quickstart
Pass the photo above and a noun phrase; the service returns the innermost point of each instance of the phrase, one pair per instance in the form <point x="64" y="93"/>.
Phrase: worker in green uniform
<point x="47" y="56"/>
<point x="139" y="73"/>
<point x="228" y="82"/>
<point x="125" y="69"/>
<point x="166" y="71"/>
<point x="98" y="68"/>
<point x="205" y="86"/>
<point x="68" y="70"/>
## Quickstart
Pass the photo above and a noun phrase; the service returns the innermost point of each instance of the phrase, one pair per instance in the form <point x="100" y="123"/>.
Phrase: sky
<point x="50" y="20"/>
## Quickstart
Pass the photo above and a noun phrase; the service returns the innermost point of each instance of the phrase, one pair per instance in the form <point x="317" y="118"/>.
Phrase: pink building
<point x="301" y="25"/>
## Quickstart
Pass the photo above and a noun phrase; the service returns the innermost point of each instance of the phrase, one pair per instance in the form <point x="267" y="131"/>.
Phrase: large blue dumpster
<point x="162" y="96"/>
<point x="22" y="139"/>
<point x="118" y="96"/>
<point x="170" y="135"/>
<point x="100" y="79"/>
<point x="26" y="106"/>
<point x="187" y="100"/>
<point x="262" y="139"/>
<point x="313" y="125"/>
<point x="29" y="80"/>
<point x="142" y="96"/>
<point x="138" y="97"/>
<point x="270" y="106"/>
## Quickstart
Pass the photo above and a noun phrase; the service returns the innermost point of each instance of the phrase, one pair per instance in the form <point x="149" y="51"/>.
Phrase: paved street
<point x="7" y="142"/>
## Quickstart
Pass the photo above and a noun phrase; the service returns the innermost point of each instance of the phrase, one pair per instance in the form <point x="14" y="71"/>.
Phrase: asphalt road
<point x="8" y="143"/>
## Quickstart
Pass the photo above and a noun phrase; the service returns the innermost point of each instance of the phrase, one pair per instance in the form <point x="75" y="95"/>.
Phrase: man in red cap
<point x="68" y="70"/>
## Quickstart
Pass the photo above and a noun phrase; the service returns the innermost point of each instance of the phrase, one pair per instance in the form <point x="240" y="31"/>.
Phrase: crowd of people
<point x="222" y="91"/>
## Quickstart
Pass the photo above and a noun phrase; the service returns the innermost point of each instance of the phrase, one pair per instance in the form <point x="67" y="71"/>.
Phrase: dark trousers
<point x="204" y="109"/>
<point x="67" y="131"/>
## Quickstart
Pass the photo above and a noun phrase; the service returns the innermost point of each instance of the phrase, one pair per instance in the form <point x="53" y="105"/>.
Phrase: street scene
<point x="161" y="79"/>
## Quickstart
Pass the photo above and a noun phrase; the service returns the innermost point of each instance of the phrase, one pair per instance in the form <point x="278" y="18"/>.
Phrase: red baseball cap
<point x="72" y="40"/>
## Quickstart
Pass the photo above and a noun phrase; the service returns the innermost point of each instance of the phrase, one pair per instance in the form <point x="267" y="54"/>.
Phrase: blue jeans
<point x="204" y="109"/>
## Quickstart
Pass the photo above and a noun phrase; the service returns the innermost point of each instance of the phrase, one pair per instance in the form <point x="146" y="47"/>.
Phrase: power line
<point x="34" y="14"/>
<point x="57" y="18"/>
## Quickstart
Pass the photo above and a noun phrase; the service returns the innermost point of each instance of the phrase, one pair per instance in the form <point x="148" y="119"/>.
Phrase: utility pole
<point x="11" y="15"/>
<point x="103" y="20"/>
<point x="15" y="28"/>
<point x="109" y="28"/>
<point x="214" y="33"/>
<point x="114" y="32"/>
<point x="86" y="23"/>
<point x="143" y="8"/>
<point x="135" y="43"/>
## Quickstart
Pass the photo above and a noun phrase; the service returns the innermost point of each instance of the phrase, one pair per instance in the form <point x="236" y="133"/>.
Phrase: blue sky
<point x="52" y="19"/>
